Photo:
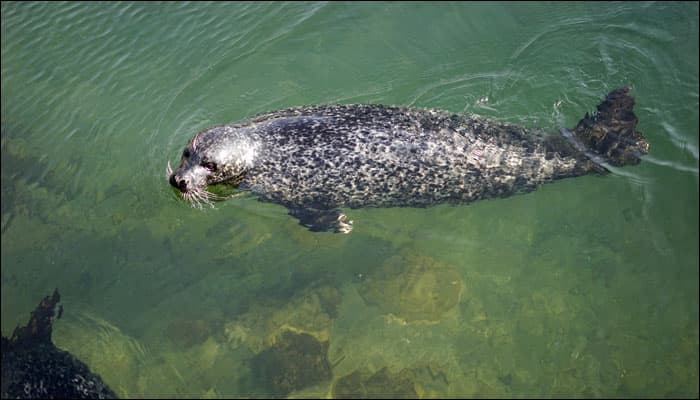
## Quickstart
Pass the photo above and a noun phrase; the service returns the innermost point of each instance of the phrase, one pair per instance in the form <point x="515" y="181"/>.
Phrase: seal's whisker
<point x="198" y="197"/>
<point x="207" y="197"/>
<point x="194" y="199"/>
<point x="212" y="196"/>
<point x="168" y="171"/>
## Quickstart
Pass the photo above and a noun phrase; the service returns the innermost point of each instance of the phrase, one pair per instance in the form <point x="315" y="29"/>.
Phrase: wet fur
<point x="347" y="156"/>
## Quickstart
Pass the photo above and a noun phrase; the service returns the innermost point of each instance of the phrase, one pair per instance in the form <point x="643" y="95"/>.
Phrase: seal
<point x="34" y="368"/>
<point x="318" y="160"/>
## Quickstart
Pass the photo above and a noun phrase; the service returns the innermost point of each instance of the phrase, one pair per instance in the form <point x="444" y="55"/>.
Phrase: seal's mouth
<point x="197" y="196"/>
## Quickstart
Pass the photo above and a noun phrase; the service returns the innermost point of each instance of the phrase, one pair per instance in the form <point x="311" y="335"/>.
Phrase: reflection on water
<point x="586" y="287"/>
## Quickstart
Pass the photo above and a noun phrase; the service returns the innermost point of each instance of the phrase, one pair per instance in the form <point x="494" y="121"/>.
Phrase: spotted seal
<point x="317" y="160"/>
<point x="34" y="368"/>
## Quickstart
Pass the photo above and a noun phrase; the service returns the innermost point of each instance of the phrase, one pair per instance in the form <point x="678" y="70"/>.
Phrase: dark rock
<point x="295" y="361"/>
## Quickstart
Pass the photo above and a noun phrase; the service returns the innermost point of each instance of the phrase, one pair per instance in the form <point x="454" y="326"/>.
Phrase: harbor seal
<point x="318" y="160"/>
<point x="34" y="368"/>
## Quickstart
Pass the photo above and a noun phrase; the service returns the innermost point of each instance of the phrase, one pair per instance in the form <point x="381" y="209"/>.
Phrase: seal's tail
<point x="610" y="133"/>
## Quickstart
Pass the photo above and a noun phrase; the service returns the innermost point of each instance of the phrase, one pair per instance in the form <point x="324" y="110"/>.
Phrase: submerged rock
<point x="189" y="332"/>
<point x="311" y="311"/>
<point x="381" y="384"/>
<point x="34" y="368"/>
<point x="414" y="288"/>
<point x="294" y="362"/>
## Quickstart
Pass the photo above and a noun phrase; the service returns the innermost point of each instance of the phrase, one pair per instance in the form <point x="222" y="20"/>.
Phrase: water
<point x="585" y="287"/>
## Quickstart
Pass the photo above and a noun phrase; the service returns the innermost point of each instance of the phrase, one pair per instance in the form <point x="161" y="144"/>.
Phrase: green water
<point x="585" y="287"/>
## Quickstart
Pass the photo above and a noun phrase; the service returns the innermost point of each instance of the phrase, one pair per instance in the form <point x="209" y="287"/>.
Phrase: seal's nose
<point x="180" y="184"/>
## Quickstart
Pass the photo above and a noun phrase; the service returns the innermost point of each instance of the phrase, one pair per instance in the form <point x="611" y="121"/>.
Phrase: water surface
<point x="585" y="287"/>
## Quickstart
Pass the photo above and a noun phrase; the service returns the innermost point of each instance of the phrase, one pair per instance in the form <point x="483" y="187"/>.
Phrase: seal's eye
<point x="186" y="153"/>
<point x="209" y="165"/>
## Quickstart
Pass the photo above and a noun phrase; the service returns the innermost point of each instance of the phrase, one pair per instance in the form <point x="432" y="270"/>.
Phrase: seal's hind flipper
<point x="322" y="220"/>
<point x="610" y="133"/>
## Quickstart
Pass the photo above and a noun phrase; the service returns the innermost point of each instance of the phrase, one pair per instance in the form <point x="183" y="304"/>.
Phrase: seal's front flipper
<point x="322" y="220"/>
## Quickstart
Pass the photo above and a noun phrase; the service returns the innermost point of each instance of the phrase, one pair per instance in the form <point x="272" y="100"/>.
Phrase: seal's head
<point x="220" y="154"/>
